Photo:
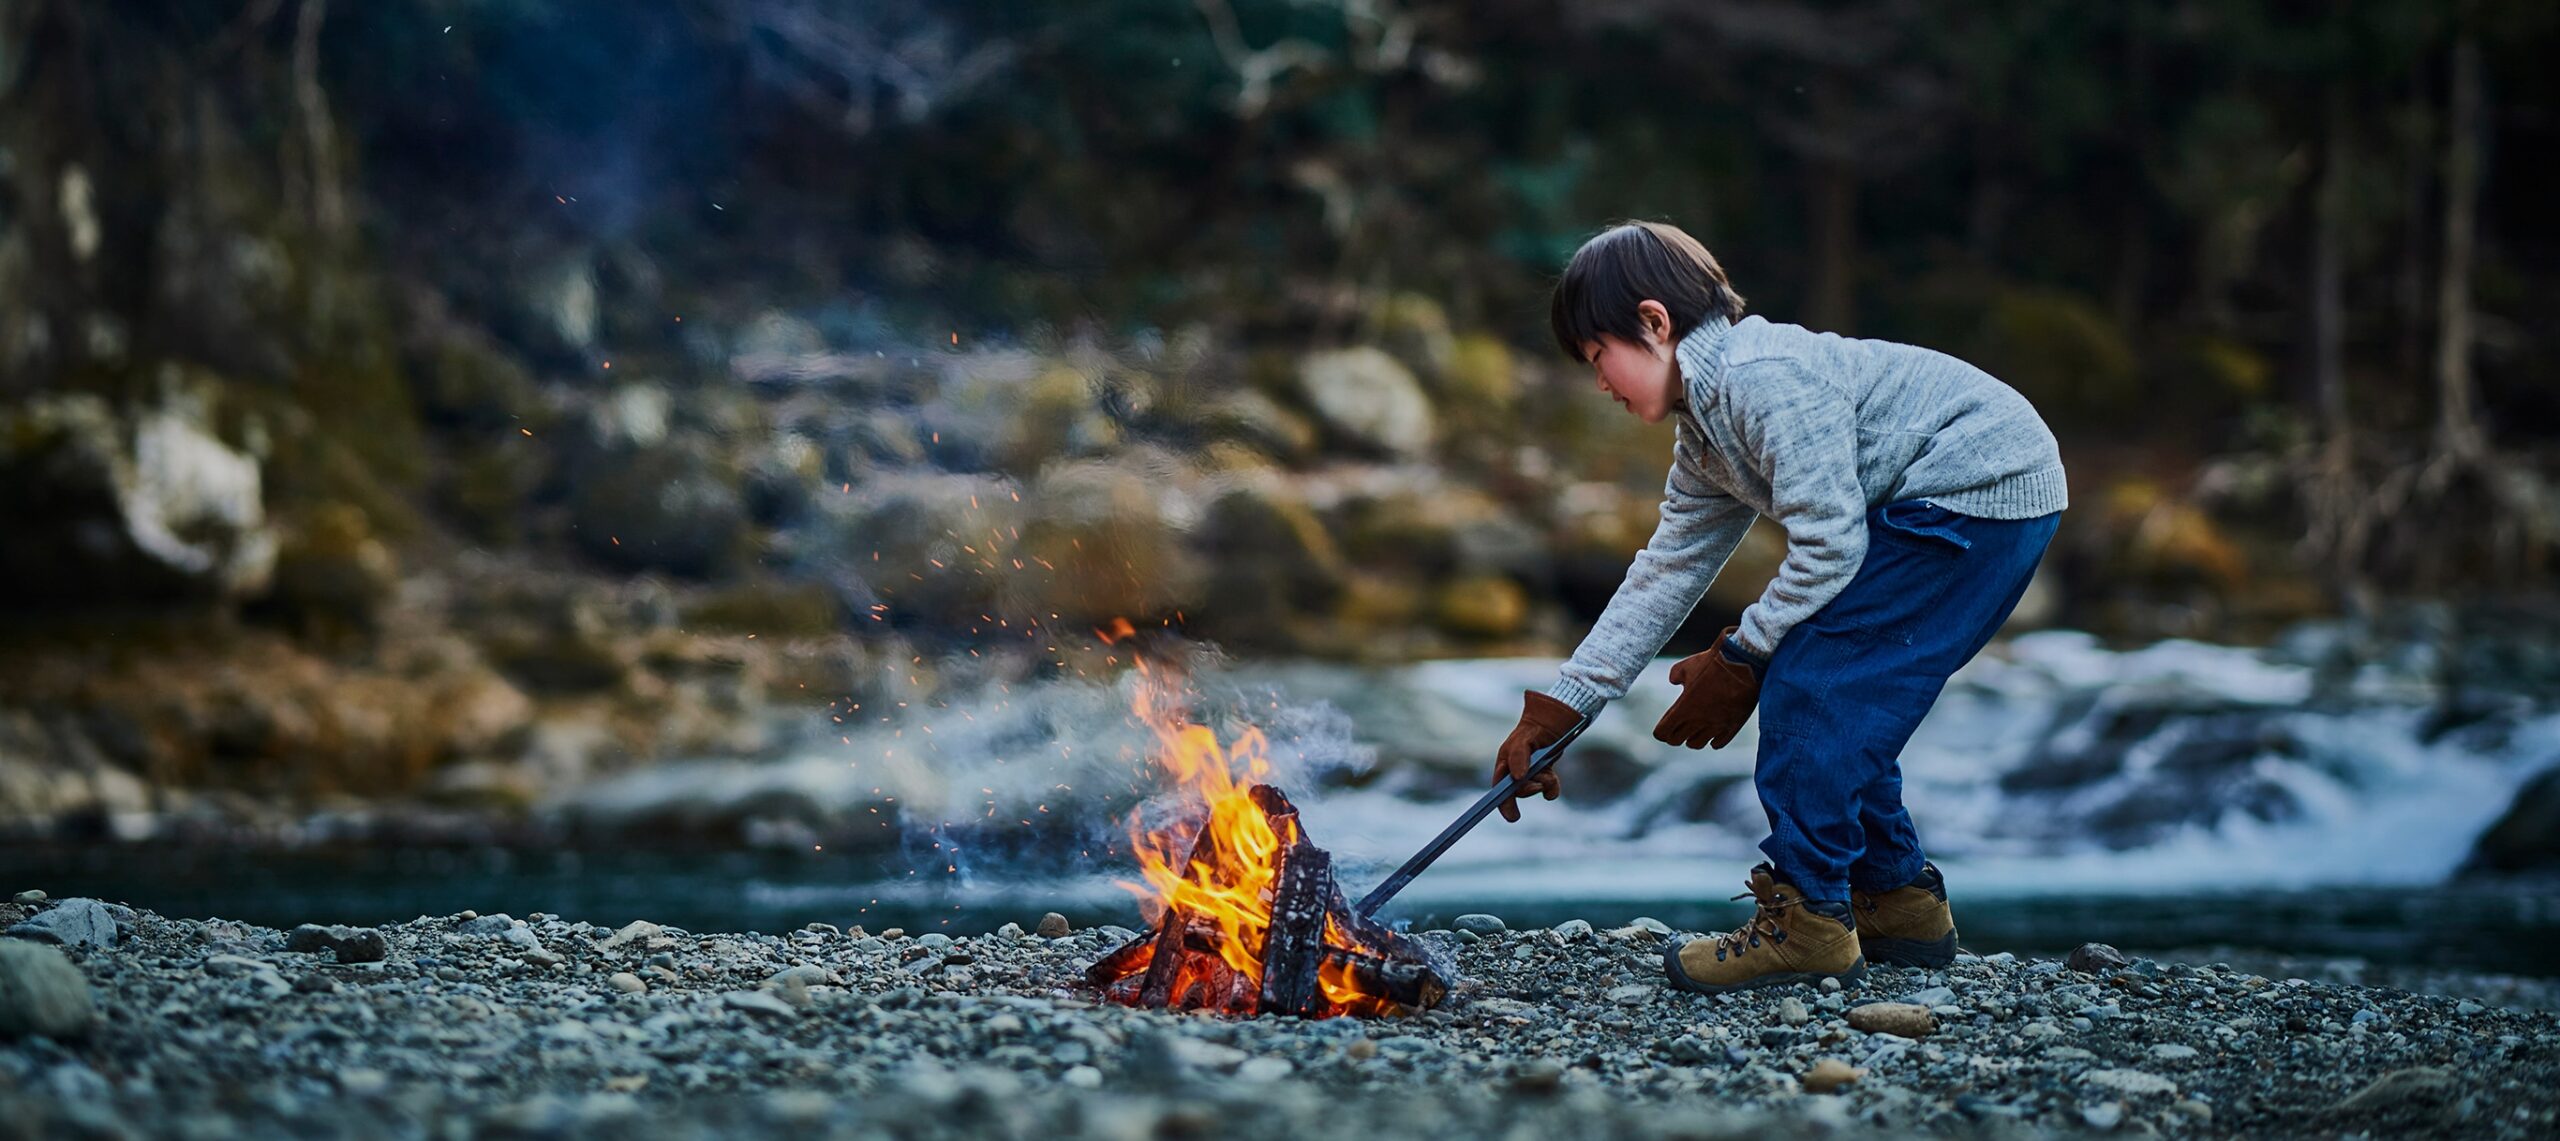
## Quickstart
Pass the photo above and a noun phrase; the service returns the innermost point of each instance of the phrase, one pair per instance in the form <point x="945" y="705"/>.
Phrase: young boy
<point x="1917" y="493"/>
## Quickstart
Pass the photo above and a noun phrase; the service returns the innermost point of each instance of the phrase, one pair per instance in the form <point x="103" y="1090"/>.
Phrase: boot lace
<point x="1763" y="924"/>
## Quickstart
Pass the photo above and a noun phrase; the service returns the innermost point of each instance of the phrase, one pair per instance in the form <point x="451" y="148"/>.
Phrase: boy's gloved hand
<point x="1717" y="692"/>
<point x="1543" y="721"/>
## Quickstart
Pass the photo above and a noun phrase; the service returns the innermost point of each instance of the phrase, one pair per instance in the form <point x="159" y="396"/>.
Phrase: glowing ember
<point x="1246" y="913"/>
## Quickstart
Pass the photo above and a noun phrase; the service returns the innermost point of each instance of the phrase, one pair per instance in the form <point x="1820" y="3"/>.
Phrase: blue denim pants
<point x="1846" y="687"/>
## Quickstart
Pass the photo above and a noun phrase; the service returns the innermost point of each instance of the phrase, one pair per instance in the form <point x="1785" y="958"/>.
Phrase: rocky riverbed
<point x="123" y="1023"/>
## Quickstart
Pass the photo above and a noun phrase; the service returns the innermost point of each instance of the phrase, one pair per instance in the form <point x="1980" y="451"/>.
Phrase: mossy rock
<point x="1441" y="532"/>
<point x="1372" y="602"/>
<point x="333" y="578"/>
<point x="1415" y="330"/>
<point x="670" y="508"/>
<point x="1273" y="570"/>
<point x="1482" y="378"/>
<point x="767" y="608"/>
<point x="1099" y="548"/>
<point x="1484" y="607"/>
<point x="1250" y="418"/>
<point x="467" y="384"/>
<point x="488" y="491"/>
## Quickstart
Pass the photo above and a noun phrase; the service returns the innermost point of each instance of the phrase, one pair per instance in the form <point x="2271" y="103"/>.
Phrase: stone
<point x="1573" y="930"/>
<point x="806" y="975"/>
<point x="496" y="924"/>
<point x="2417" y="1083"/>
<point x="1689" y="1050"/>
<point x="41" y="993"/>
<point x="1649" y="925"/>
<point x="1368" y="398"/>
<point x="1635" y="994"/>
<point x="1902" y="1019"/>
<point x="1054" y="926"/>
<point x="2104" y="1115"/>
<point x="760" y="1002"/>
<point x="2130" y="1082"/>
<point x="627" y="983"/>
<point x="30" y="897"/>
<point x="2173" y="1052"/>
<point x="72" y="923"/>
<point x="1830" y="1074"/>
<point x="1265" y="1069"/>
<point x="1538" y="1076"/>
<point x="1480" y="923"/>
<point x="1931" y="996"/>
<point x="1792" y="1012"/>
<point x="1009" y="931"/>
<point x="2096" y="958"/>
<point x="637" y="931"/>
<point x="352" y="944"/>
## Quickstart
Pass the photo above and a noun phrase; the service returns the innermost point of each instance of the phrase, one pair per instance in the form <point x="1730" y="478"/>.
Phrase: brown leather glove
<point x="1717" y="693"/>
<point x="1543" y="721"/>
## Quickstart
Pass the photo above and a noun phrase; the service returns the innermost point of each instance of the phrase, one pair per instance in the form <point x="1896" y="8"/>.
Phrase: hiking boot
<point x="1789" y="940"/>
<point x="1909" y="926"/>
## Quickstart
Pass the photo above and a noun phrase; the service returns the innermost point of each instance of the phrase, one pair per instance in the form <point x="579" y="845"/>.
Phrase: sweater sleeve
<point x="1801" y="432"/>
<point x="1697" y="532"/>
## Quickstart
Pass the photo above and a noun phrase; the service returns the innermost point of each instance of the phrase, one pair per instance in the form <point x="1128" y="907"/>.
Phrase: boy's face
<point x="1643" y="377"/>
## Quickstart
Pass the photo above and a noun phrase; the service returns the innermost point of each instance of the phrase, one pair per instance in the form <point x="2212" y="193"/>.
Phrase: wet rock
<point x="1898" y="1018"/>
<point x="42" y="993"/>
<point x="1830" y="1074"/>
<point x="1054" y="926"/>
<point x="2096" y="958"/>
<point x="72" y="923"/>
<point x="352" y="944"/>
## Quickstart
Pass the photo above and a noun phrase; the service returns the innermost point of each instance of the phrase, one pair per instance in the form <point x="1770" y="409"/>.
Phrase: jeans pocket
<point x="1919" y="523"/>
<point x="1914" y="553"/>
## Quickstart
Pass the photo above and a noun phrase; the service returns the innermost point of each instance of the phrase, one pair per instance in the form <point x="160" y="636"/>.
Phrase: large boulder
<point x="108" y="506"/>
<point x="2527" y="837"/>
<point x="333" y="578"/>
<point x="1369" y="400"/>
<point x="674" y="506"/>
<point x="1272" y="569"/>
<point x="1102" y="542"/>
<point x="42" y="993"/>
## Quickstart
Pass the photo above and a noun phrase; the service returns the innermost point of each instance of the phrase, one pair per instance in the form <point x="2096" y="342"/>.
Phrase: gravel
<point x="214" y="1029"/>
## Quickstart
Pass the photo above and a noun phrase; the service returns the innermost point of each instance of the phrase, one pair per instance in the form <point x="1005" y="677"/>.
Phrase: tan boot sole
<point x="1680" y="979"/>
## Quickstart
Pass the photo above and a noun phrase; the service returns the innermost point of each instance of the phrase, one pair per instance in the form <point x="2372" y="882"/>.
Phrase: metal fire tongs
<point x="1539" y="762"/>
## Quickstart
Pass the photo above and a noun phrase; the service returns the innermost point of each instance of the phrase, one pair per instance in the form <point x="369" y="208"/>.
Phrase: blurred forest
<point x="434" y="363"/>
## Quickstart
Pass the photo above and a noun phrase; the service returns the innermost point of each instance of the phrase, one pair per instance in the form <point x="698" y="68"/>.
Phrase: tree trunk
<point x="2458" y="432"/>
<point x="2328" y="276"/>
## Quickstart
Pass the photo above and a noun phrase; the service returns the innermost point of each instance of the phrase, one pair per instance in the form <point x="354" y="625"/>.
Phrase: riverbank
<point x="489" y="1026"/>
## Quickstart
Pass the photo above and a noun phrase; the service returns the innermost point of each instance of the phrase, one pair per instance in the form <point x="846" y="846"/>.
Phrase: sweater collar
<point x="1701" y="356"/>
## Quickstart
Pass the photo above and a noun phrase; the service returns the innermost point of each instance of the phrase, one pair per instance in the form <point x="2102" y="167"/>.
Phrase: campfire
<point x="1247" y="917"/>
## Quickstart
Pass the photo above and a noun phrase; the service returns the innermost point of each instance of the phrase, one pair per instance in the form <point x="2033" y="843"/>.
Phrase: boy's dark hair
<point x="1630" y="263"/>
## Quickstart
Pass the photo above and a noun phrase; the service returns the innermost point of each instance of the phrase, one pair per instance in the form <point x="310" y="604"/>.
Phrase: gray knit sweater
<point x="1810" y="429"/>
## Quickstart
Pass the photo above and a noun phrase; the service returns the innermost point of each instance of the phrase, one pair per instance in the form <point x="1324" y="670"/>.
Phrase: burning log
<point x="1304" y="952"/>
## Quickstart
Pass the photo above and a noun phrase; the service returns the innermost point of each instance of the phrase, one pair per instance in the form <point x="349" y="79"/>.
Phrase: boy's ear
<point x="1654" y="318"/>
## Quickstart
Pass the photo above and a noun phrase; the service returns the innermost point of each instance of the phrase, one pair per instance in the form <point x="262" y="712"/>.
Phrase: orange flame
<point x="1227" y="878"/>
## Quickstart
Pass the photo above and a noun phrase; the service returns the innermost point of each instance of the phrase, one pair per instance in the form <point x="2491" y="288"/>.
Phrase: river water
<point x="2181" y="795"/>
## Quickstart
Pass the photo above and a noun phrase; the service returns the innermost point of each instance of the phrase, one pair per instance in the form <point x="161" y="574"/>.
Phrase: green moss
<point x="767" y="608"/>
